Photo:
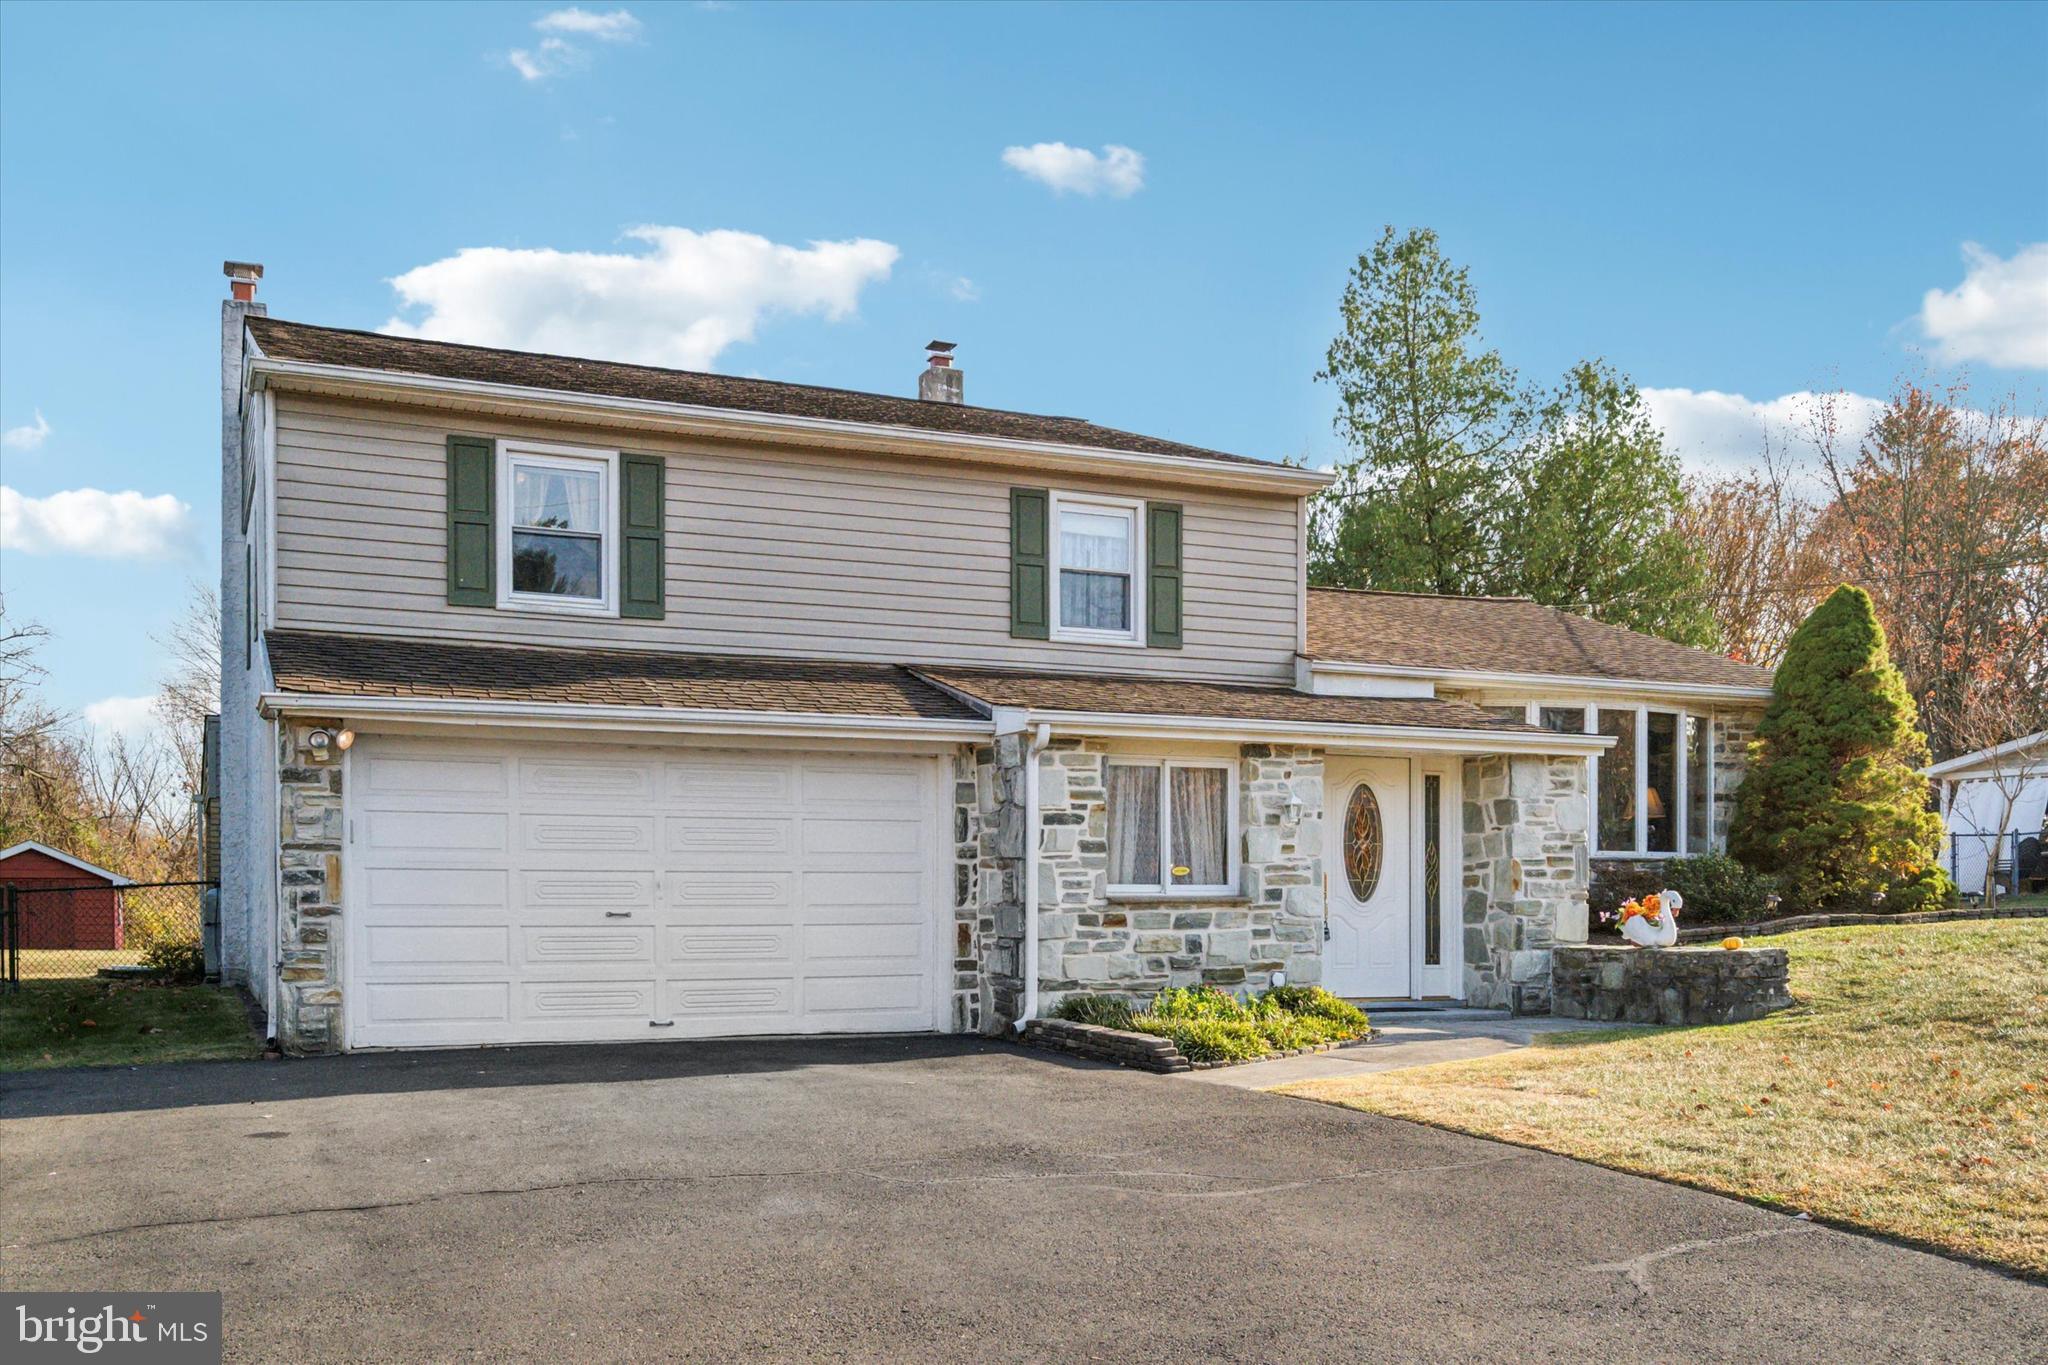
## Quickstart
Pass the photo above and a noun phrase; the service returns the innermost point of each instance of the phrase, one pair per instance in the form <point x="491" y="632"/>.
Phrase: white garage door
<point x="548" y="893"/>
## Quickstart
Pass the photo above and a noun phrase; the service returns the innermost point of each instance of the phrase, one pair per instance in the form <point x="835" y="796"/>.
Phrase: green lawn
<point x="1906" y="1092"/>
<point x="102" y="1023"/>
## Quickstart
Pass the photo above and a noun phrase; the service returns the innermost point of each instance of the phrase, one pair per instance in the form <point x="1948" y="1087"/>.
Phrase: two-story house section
<point x="570" y="700"/>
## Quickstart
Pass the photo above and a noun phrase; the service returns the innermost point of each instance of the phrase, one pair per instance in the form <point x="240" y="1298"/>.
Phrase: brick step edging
<point x="1700" y="932"/>
<point x="1144" y="1051"/>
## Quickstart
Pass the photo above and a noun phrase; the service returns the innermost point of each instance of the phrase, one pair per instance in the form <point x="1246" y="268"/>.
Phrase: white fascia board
<point x="1985" y="762"/>
<point x="641" y="719"/>
<point x="31" y="846"/>
<point x="700" y="420"/>
<point x="1375" y="738"/>
<point x="1555" y="682"/>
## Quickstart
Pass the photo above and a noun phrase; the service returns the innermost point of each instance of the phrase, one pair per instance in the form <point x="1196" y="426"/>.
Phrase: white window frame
<point x="1132" y="508"/>
<point x="579" y="458"/>
<point x="1166" y="888"/>
<point x="1640" y="737"/>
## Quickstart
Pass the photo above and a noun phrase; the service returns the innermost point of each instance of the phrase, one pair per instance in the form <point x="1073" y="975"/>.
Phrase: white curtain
<point x="1133" y="825"/>
<point x="557" y="499"/>
<point x="1201" y="825"/>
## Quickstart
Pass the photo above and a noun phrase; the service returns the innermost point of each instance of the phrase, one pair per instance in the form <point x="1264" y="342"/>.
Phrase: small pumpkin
<point x="1731" y="943"/>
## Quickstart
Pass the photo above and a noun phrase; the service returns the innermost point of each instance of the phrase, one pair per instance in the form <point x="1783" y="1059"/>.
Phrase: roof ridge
<point x="671" y="369"/>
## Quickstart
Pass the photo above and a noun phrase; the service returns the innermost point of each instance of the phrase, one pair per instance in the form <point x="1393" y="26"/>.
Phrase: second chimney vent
<point x="940" y="382"/>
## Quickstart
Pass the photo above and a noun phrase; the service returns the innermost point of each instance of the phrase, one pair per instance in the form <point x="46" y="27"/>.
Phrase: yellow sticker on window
<point x="1180" y="872"/>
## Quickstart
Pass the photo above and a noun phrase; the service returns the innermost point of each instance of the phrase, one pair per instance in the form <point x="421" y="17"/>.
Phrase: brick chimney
<point x="242" y="277"/>
<point x="940" y="382"/>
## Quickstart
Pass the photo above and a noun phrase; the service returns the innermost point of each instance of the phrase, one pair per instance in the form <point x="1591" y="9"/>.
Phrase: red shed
<point x="88" y="916"/>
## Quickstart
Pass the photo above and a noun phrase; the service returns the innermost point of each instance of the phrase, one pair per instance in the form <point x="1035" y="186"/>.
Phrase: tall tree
<point x="1761" y="570"/>
<point x="1430" y="415"/>
<point x="1591" y="524"/>
<point x="1835" y="803"/>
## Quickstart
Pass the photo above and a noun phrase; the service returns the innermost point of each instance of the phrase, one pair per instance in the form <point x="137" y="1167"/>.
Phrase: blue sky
<point x="1721" y="200"/>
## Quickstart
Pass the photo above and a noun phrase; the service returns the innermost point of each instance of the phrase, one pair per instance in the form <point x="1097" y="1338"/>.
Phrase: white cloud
<point x="1718" y="434"/>
<point x="1118" y="171"/>
<point x="555" y="55"/>
<point x="28" y="437"/>
<point x="964" y="290"/>
<point x="89" y="522"/>
<point x="1998" y="314"/>
<point x="679" y="304"/>
<point x="131" y="717"/>
<point x="617" y="27"/>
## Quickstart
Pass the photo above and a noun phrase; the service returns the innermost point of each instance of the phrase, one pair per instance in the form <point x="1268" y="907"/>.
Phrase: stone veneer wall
<point x="1091" y="943"/>
<point x="309" y="832"/>
<point x="1525" y="871"/>
<point x="1733" y="731"/>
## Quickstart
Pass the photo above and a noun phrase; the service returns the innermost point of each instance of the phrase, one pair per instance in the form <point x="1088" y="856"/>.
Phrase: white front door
<point x="1371" y="906"/>
<point x="505" y="893"/>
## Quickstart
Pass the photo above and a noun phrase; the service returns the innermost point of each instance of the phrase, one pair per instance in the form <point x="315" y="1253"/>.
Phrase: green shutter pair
<point x="1031" y="568"/>
<point x="472" y="539"/>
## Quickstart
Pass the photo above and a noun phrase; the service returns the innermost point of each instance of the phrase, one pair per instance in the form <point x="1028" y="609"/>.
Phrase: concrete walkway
<point x="1407" y="1038"/>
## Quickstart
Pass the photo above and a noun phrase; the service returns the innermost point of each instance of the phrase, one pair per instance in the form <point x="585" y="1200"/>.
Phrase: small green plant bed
<point x="1209" y="1025"/>
<point x="107" y="1023"/>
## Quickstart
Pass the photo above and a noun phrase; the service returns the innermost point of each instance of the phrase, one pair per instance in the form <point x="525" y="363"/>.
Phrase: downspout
<point x="1041" y="735"/>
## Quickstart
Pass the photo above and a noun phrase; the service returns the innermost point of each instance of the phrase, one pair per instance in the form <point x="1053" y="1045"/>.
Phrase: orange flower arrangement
<point x="1649" y="907"/>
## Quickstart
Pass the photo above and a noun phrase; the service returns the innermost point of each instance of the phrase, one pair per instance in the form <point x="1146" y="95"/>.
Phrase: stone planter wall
<point x="1668" y="985"/>
<point x="1098" y="1044"/>
<point x="1524" y="875"/>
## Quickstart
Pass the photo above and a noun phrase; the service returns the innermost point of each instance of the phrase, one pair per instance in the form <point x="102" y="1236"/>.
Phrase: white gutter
<point x="1373" y="738"/>
<point x="1554" y="681"/>
<point x="735" y="422"/>
<point x="638" y="719"/>
<point x="1041" y="735"/>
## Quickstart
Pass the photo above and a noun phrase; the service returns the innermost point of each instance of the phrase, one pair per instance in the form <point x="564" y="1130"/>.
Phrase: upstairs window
<point x="557" y="543"/>
<point x="1097" y="541"/>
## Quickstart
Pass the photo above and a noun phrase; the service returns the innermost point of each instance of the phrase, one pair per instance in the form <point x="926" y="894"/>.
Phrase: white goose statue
<point x="1661" y="932"/>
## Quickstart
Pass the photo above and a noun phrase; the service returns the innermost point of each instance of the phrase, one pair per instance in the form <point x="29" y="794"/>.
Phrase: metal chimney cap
<point x="940" y="345"/>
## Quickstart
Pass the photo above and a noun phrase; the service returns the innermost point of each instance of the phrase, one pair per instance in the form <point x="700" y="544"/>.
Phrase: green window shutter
<point x="1162" y="575"/>
<point x="472" y="548"/>
<point x="1030" y="510"/>
<point x="640" y="536"/>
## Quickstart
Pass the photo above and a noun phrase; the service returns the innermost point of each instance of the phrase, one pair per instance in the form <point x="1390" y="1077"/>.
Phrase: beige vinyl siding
<point x="769" y="551"/>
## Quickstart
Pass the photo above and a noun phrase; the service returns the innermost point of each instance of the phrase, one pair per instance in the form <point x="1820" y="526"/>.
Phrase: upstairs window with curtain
<point x="1096" y="543"/>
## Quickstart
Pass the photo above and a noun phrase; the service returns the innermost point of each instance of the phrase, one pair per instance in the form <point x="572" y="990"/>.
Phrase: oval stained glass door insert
<point x="1364" y="843"/>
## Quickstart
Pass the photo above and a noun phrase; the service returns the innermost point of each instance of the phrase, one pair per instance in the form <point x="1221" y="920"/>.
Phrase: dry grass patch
<point x="1906" y="1092"/>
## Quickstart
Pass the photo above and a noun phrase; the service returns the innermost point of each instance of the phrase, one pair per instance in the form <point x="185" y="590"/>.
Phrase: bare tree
<point x="1754" y="536"/>
<point x="1940" y="511"/>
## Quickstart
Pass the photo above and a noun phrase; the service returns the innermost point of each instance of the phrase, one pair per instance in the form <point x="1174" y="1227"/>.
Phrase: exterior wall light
<point x="323" y="745"/>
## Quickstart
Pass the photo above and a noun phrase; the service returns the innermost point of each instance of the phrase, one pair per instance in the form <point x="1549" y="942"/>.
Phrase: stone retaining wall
<point x="1098" y="1044"/>
<point x="1668" y="985"/>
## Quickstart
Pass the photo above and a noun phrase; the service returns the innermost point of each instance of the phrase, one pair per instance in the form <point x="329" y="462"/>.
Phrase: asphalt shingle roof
<point x="384" y="666"/>
<point x="1503" y="635"/>
<point x="1205" y="700"/>
<point x="300" y="341"/>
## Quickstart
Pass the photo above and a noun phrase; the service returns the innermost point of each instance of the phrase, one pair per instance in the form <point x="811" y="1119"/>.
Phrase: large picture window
<point x="557" y="539"/>
<point x="1171" y="826"/>
<point x="1653" y="792"/>
<point x="1097" y="544"/>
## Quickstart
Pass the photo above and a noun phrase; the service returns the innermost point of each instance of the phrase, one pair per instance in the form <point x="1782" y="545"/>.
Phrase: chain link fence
<point x="99" y="930"/>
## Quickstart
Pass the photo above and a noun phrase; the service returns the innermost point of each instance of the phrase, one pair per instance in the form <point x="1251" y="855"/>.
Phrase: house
<point x="570" y="700"/>
<point x="87" y="915"/>
<point x="1993" y="801"/>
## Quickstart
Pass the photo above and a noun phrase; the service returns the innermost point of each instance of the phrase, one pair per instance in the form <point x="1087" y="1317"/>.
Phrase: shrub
<point x="1834" y="803"/>
<point x="146" y="925"/>
<point x="1197" y="1002"/>
<point x="1206" y="1040"/>
<point x="1103" y="1011"/>
<point x="1341" y="1019"/>
<point x="1720" y="890"/>
<point x="176" y="959"/>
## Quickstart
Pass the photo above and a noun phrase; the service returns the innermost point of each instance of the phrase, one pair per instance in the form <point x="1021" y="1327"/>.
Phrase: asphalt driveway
<point x="902" y="1199"/>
